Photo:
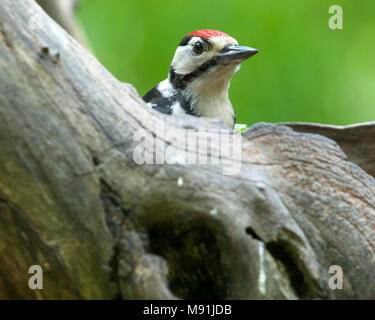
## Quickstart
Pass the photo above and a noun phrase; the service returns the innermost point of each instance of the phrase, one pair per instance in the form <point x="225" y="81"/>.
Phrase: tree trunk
<point x="63" y="12"/>
<point x="74" y="200"/>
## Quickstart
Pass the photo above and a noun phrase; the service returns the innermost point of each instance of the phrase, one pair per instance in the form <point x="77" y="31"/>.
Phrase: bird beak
<point x="235" y="54"/>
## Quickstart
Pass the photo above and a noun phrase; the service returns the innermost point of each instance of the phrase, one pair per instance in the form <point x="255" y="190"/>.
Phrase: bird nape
<point x="199" y="77"/>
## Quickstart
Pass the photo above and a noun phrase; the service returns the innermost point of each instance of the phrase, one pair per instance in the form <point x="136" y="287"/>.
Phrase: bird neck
<point x="209" y="96"/>
<point x="206" y="94"/>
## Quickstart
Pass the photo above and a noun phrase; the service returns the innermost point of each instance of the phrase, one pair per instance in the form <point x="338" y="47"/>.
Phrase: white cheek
<point x="185" y="62"/>
<point x="182" y="60"/>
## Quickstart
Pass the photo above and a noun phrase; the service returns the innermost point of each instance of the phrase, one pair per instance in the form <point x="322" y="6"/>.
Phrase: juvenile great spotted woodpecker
<point x="199" y="77"/>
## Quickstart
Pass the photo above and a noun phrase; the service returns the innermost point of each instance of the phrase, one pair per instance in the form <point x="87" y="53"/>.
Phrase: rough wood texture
<point x="62" y="11"/>
<point x="357" y="140"/>
<point x="73" y="200"/>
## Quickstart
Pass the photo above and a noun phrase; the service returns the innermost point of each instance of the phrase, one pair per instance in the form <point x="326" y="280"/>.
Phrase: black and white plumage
<point x="199" y="77"/>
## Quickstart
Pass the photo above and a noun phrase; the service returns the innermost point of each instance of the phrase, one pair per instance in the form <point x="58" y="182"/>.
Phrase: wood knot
<point x="45" y="52"/>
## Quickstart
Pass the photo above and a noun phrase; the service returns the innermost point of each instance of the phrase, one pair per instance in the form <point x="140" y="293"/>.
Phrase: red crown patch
<point x="204" y="33"/>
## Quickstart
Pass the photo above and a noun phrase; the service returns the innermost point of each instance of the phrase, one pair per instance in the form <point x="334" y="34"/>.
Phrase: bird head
<point x="205" y="59"/>
<point x="199" y="77"/>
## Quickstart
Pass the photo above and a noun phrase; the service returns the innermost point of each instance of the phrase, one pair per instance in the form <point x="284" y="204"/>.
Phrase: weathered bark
<point x="63" y="12"/>
<point x="73" y="200"/>
<point x="357" y="140"/>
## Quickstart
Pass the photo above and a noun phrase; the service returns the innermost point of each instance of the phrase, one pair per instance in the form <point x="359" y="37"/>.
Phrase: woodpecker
<point x="199" y="77"/>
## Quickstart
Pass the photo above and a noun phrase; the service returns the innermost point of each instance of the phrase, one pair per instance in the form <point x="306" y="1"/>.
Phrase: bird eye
<point x="198" y="47"/>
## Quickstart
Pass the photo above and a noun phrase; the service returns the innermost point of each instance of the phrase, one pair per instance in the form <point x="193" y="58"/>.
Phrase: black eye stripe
<point x="180" y="81"/>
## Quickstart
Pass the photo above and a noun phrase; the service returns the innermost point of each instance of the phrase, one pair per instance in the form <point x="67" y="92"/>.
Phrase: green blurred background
<point x="304" y="71"/>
